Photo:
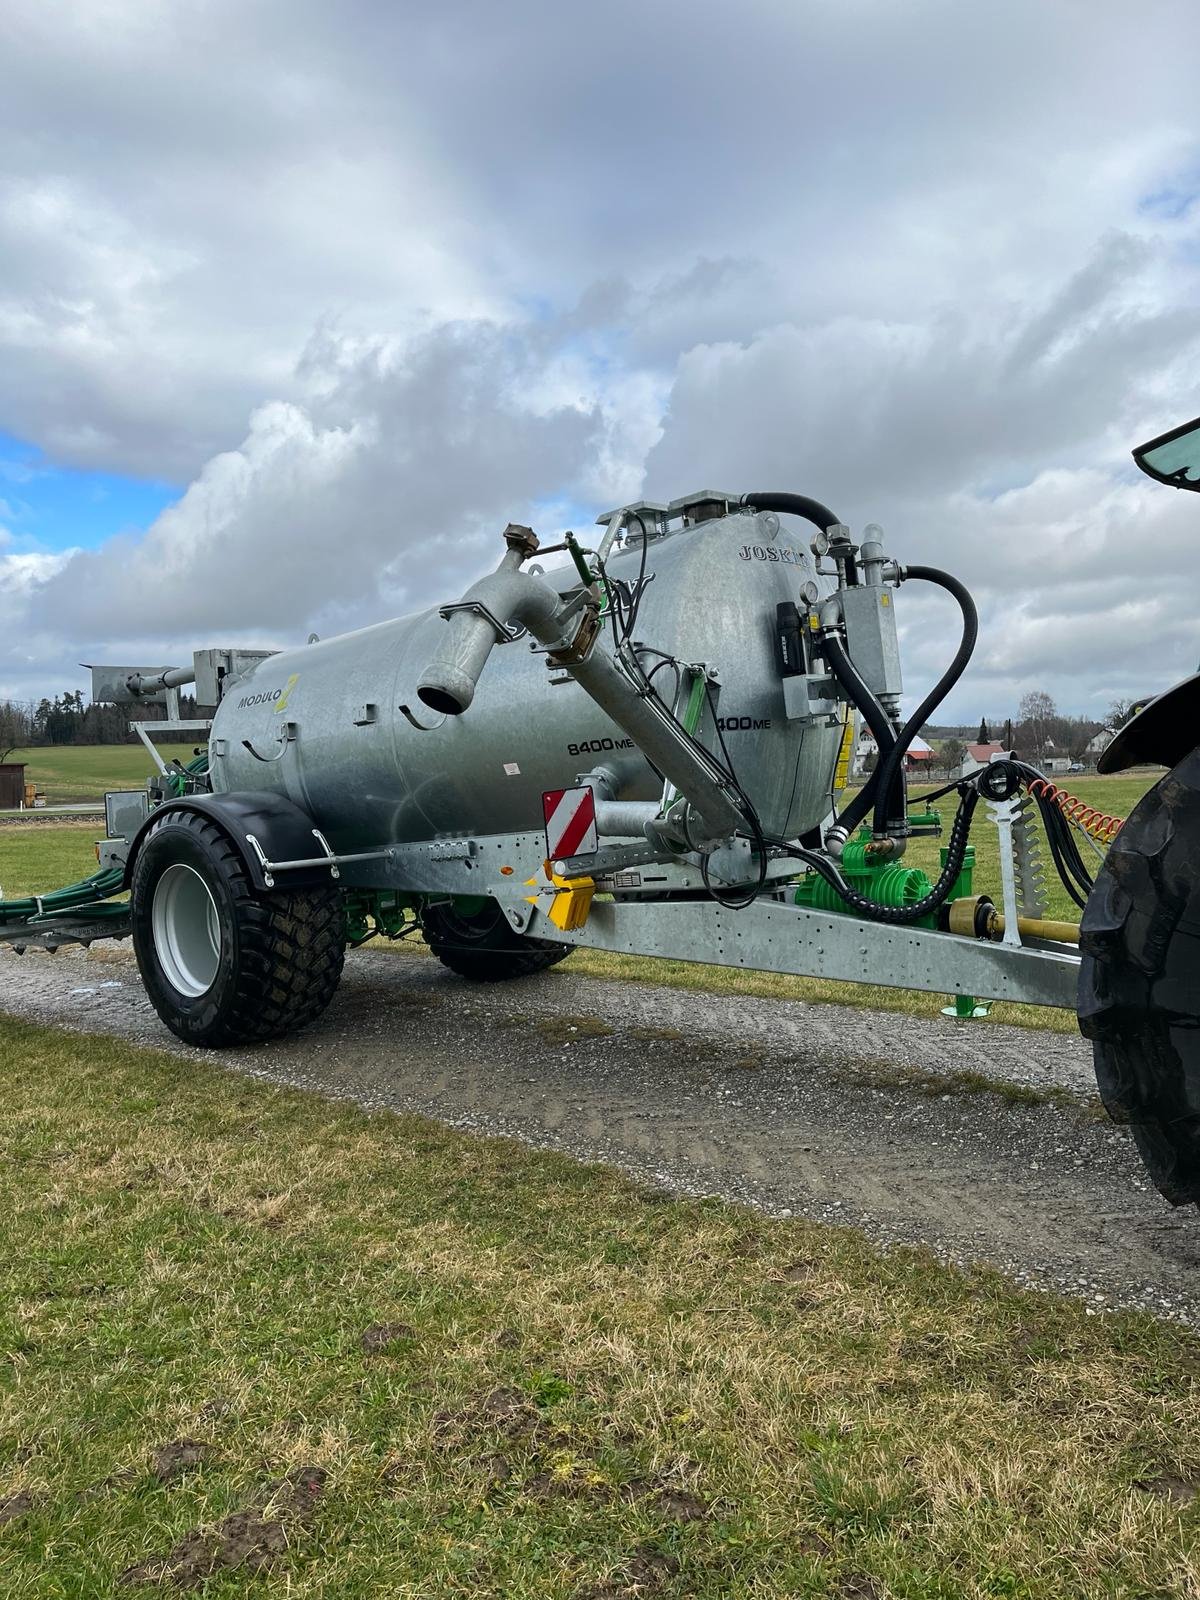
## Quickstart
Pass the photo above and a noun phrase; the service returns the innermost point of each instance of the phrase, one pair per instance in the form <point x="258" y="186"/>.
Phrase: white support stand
<point x="1003" y="813"/>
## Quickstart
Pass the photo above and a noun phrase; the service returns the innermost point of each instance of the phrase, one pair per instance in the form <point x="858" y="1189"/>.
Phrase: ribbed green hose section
<point x="100" y="886"/>
<point x="888" y="884"/>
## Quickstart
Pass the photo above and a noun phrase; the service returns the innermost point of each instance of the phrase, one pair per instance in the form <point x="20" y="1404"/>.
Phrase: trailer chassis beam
<point x="53" y="932"/>
<point x="773" y="937"/>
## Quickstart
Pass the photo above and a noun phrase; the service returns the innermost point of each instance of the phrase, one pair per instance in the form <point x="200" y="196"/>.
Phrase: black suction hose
<point x="873" y="715"/>
<point x="799" y="505"/>
<point x="893" y="765"/>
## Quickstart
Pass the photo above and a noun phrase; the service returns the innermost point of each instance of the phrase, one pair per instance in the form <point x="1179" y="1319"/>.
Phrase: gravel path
<point x="790" y="1107"/>
<point x="47" y="816"/>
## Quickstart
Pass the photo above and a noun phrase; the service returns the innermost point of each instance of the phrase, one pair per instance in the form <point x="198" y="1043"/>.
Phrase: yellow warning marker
<point x="570" y="907"/>
<point x="841" y="772"/>
<point x="572" y="900"/>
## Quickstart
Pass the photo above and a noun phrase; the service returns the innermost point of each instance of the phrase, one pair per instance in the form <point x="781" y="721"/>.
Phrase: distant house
<point x="978" y="755"/>
<point x="865" y="751"/>
<point x="1099" y="743"/>
<point x="919" y="757"/>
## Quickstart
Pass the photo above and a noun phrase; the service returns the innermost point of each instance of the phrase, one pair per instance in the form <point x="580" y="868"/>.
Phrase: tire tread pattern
<point x="1139" y="980"/>
<point x="483" y="948"/>
<point x="291" y="950"/>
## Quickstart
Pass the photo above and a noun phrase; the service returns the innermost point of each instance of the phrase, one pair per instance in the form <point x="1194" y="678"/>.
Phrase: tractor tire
<point x="1139" y="981"/>
<point x="222" y="963"/>
<point x="482" y="947"/>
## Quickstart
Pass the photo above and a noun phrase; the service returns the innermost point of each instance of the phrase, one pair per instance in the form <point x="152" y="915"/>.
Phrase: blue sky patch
<point x="47" y="507"/>
<point x="1170" y="204"/>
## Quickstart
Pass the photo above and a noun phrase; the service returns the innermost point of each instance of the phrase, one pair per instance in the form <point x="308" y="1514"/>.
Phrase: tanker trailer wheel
<point x="1139" y="982"/>
<point x="222" y="963"/>
<point x="480" y="944"/>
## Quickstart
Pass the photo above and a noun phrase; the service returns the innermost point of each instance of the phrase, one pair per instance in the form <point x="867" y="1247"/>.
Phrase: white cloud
<point x="373" y="281"/>
<point x="387" y="479"/>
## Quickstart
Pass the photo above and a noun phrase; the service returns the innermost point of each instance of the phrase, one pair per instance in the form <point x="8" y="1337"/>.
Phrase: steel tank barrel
<point x="337" y="725"/>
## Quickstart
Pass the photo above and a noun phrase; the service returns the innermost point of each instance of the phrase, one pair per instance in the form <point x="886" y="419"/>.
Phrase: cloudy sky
<point x="301" y="303"/>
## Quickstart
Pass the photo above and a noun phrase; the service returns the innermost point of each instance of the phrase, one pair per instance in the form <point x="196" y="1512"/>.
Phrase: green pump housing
<point x="888" y="883"/>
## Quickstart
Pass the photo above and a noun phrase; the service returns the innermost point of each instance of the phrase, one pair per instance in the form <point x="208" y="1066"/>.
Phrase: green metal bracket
<point x="383" y="912"/>
<point x="695" y="705"/>
<point x="577" y="556"/>
<point x="966" y="1008"/>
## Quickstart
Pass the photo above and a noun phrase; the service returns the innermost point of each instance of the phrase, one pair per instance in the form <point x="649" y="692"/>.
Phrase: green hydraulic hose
<point x="99" y="887"/>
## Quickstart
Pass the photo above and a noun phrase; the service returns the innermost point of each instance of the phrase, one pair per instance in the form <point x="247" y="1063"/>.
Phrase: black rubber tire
<point x="280" y="954"/>
<point x="483" y="947"/>
<point x="1139" y="981"/>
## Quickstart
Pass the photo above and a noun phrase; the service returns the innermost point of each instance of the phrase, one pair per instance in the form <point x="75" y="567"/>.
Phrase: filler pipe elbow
<point x="507" y="596"/>
<point x="449" y="681"/>
<point x="481" y="619"/>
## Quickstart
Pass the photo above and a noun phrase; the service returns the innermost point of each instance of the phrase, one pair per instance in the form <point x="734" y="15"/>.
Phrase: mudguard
<point x="283" y="830"/>
<point x="1161" y="732"/>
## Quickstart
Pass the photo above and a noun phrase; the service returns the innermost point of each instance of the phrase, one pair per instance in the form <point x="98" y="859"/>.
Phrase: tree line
<point x="1039" y="733"/>
<point x="68" y="719"/>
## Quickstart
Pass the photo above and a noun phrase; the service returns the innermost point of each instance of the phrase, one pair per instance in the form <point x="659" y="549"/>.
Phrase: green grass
<point x="67" y="774"/>
<point x="383" y="1358"/>
<point x="38" y="856"/>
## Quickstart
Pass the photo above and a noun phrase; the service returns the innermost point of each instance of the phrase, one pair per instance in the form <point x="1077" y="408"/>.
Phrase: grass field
<point x="66" y="774"/>
<point x="260" y="1344"/>
<point x="38" y="857"/>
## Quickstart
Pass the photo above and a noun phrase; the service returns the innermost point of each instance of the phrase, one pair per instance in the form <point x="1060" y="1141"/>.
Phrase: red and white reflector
<point x="570" y="822"/>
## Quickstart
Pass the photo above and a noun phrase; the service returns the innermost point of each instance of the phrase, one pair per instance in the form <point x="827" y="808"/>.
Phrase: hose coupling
<point x="835" y="840"/>
<point x="883" y="848"/>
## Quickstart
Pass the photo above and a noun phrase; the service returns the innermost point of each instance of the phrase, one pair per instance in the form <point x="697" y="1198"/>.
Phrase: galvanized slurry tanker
<point x="642" y="748"/>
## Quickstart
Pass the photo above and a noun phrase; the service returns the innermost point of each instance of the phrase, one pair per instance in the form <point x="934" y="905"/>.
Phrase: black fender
<point x="1161" y="732"/>
<point x="283" y="830"/>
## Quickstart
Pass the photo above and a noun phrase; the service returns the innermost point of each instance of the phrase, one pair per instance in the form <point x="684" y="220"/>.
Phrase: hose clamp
<point x="506" y="632"/>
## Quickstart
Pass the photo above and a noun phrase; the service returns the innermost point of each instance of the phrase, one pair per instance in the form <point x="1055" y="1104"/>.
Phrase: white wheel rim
<point x="186" y="930"/>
